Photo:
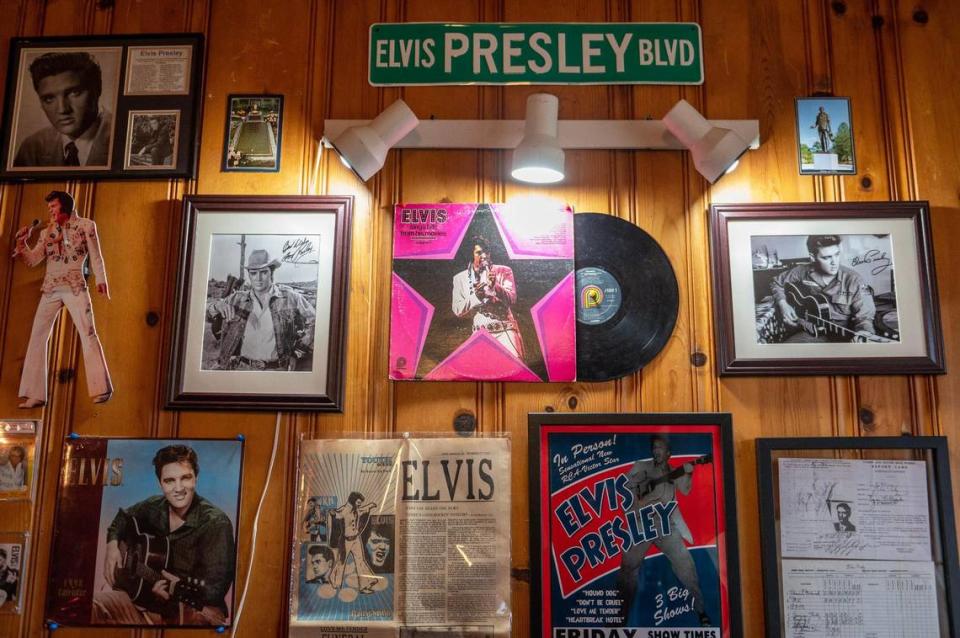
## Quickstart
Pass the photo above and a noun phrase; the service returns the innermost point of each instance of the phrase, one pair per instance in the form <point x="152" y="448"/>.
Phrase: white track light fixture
<point x="715" y="150"/>
<point x="364" y="148"/>
<point x="538" y="141"/>
<point x="538" y="159"/>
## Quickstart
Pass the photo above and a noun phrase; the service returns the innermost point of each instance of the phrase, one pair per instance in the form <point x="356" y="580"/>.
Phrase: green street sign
<point x="423" y="53"/>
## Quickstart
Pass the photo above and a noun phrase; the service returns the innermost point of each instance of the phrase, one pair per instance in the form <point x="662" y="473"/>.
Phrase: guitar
<point x="813" y="313"/>
<point x="145" y="560"/>
<point x="652" y="489"/>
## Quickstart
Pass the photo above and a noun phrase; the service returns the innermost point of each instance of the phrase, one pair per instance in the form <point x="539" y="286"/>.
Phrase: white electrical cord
<point x="256" y="527"/>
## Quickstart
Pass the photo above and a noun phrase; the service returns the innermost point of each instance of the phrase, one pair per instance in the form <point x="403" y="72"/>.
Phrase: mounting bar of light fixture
<point x="571" y="134"/>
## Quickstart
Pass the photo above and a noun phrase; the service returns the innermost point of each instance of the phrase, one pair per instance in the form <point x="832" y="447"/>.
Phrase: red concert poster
<point x="633" y="526"/>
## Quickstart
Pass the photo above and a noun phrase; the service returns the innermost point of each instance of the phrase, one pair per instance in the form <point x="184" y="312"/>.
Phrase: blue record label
<point x="598" y="296"/>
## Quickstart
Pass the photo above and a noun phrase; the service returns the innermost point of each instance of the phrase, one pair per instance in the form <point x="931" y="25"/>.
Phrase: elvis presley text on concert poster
<point x="633" y="526"/>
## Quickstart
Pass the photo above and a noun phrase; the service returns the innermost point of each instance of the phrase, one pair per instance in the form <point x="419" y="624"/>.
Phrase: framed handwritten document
<point x="835" y="288"/>
<point x="633" y="526"/>
<point x="858" y="537"/>
<point x="261" y="303"/>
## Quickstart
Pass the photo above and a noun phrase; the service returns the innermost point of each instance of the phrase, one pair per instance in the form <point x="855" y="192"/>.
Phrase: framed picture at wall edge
<point x="251" y="139"/>
<point x="18" y="459"/>
<point x="14" y="550"/>
<point x="102" y="106"/>
<point x="633" y="523"/>
<point x="869" y="520"/>
<point x="112" y="548"/>
<point x="261" y="303"/>
<point x="825" y="288"/>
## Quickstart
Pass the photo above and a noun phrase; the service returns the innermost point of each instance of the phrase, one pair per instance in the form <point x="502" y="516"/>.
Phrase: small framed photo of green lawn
<point x="251" y="141"/>
<point x="825" y="136"/>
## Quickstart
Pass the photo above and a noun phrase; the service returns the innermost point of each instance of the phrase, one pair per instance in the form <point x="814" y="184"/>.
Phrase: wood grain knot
<point x="65" y="374"/>
<point x="152" y="318"/>
<point x="877" y="22"/>
<point x="920" y="16"/>
<point x="867" y="416"/>
<point x="518" y="573"/>
<point x="866" y="182"/>
<point x="465" y="424"/>
<point x="548" y="408"/>
<point x="105" y="4"/>
<point x="572" y="402"/>
<point x="698" y="359"/>
<point x="838" y="7"/>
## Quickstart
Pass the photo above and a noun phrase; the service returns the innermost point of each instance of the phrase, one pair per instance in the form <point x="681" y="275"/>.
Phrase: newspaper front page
<point x="402" y="537"/>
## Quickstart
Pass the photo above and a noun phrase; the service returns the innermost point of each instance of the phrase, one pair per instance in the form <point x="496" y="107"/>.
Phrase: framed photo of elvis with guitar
<point x="145" y="533"/>
<point x="825" y="288"/>
<point x="633" y="525"/>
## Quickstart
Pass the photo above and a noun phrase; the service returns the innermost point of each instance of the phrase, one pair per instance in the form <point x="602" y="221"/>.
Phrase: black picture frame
<point x="912" y="347"/>
<point x="720" y="428"/>
<point x="941" y="509"/>
<point x="139" y="76"/>
<point x="231" y="163"/>
<point x="323" y="389"/>
<point x="838" y="106"/>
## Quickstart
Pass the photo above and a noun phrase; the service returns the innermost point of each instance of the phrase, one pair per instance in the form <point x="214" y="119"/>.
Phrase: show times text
<point x="635" y="632"/>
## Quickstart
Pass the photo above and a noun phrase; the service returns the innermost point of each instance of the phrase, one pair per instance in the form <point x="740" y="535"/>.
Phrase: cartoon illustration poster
<point x="633" y="526"/>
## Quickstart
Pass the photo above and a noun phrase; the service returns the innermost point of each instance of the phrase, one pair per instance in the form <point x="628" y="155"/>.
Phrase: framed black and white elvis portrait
<point x="829" y="288"/>
<point x="261" y="303"/>
<point x="104" y="106"/>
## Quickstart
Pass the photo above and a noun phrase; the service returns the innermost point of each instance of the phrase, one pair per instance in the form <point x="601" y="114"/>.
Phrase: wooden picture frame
<point x="70" y="105"/>
<point x="852" y="316"/>
<point x="579" y="552"/>
<point x="853" y="501"/>
<point x="248" y="148"/>
<point x="221" y="359"/>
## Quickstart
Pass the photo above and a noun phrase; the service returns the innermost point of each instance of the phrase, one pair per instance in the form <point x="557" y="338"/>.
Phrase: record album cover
<point x="145" y="533"/>
<point x="483" y="292"/>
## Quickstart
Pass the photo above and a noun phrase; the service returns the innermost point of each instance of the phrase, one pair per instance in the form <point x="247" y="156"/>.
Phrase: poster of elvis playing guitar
<point x="633" y="526"/>
<point x="145" y="532"/>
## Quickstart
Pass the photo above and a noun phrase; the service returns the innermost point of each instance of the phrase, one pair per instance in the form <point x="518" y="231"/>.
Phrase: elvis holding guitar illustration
<point x="654" y="480"/>
<point x="169" y="558"/>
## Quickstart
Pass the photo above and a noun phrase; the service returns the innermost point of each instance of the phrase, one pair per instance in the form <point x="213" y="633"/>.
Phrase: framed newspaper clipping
<point x="858" y="537"/>
<point x="633" y="526"/>
<point x="102" y="106"/>
<point x="406" y="537"/>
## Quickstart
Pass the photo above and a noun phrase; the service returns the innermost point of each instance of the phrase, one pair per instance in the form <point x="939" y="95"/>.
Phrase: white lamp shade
<point x="538" y="159"/>
<point x="714" y="149"/>
<point x="364" y="148"/>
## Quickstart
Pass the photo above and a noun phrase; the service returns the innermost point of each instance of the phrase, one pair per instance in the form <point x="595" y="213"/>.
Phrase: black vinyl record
<point x="627" y="297"/>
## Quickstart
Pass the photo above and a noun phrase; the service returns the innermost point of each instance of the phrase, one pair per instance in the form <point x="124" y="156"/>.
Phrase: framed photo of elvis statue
<point x="102" y="106"/>
<point x="633" y="525"/>
<point x="145" y="533"/>
<point x="825" y="288"/>
<point x="261" y="303"/>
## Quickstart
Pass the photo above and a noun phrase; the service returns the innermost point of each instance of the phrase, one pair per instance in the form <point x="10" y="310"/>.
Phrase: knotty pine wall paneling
<point x="892" y="58"/>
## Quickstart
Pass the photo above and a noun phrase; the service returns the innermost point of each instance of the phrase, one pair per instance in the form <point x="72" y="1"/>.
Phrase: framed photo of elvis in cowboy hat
<point x="261" y="302"/>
